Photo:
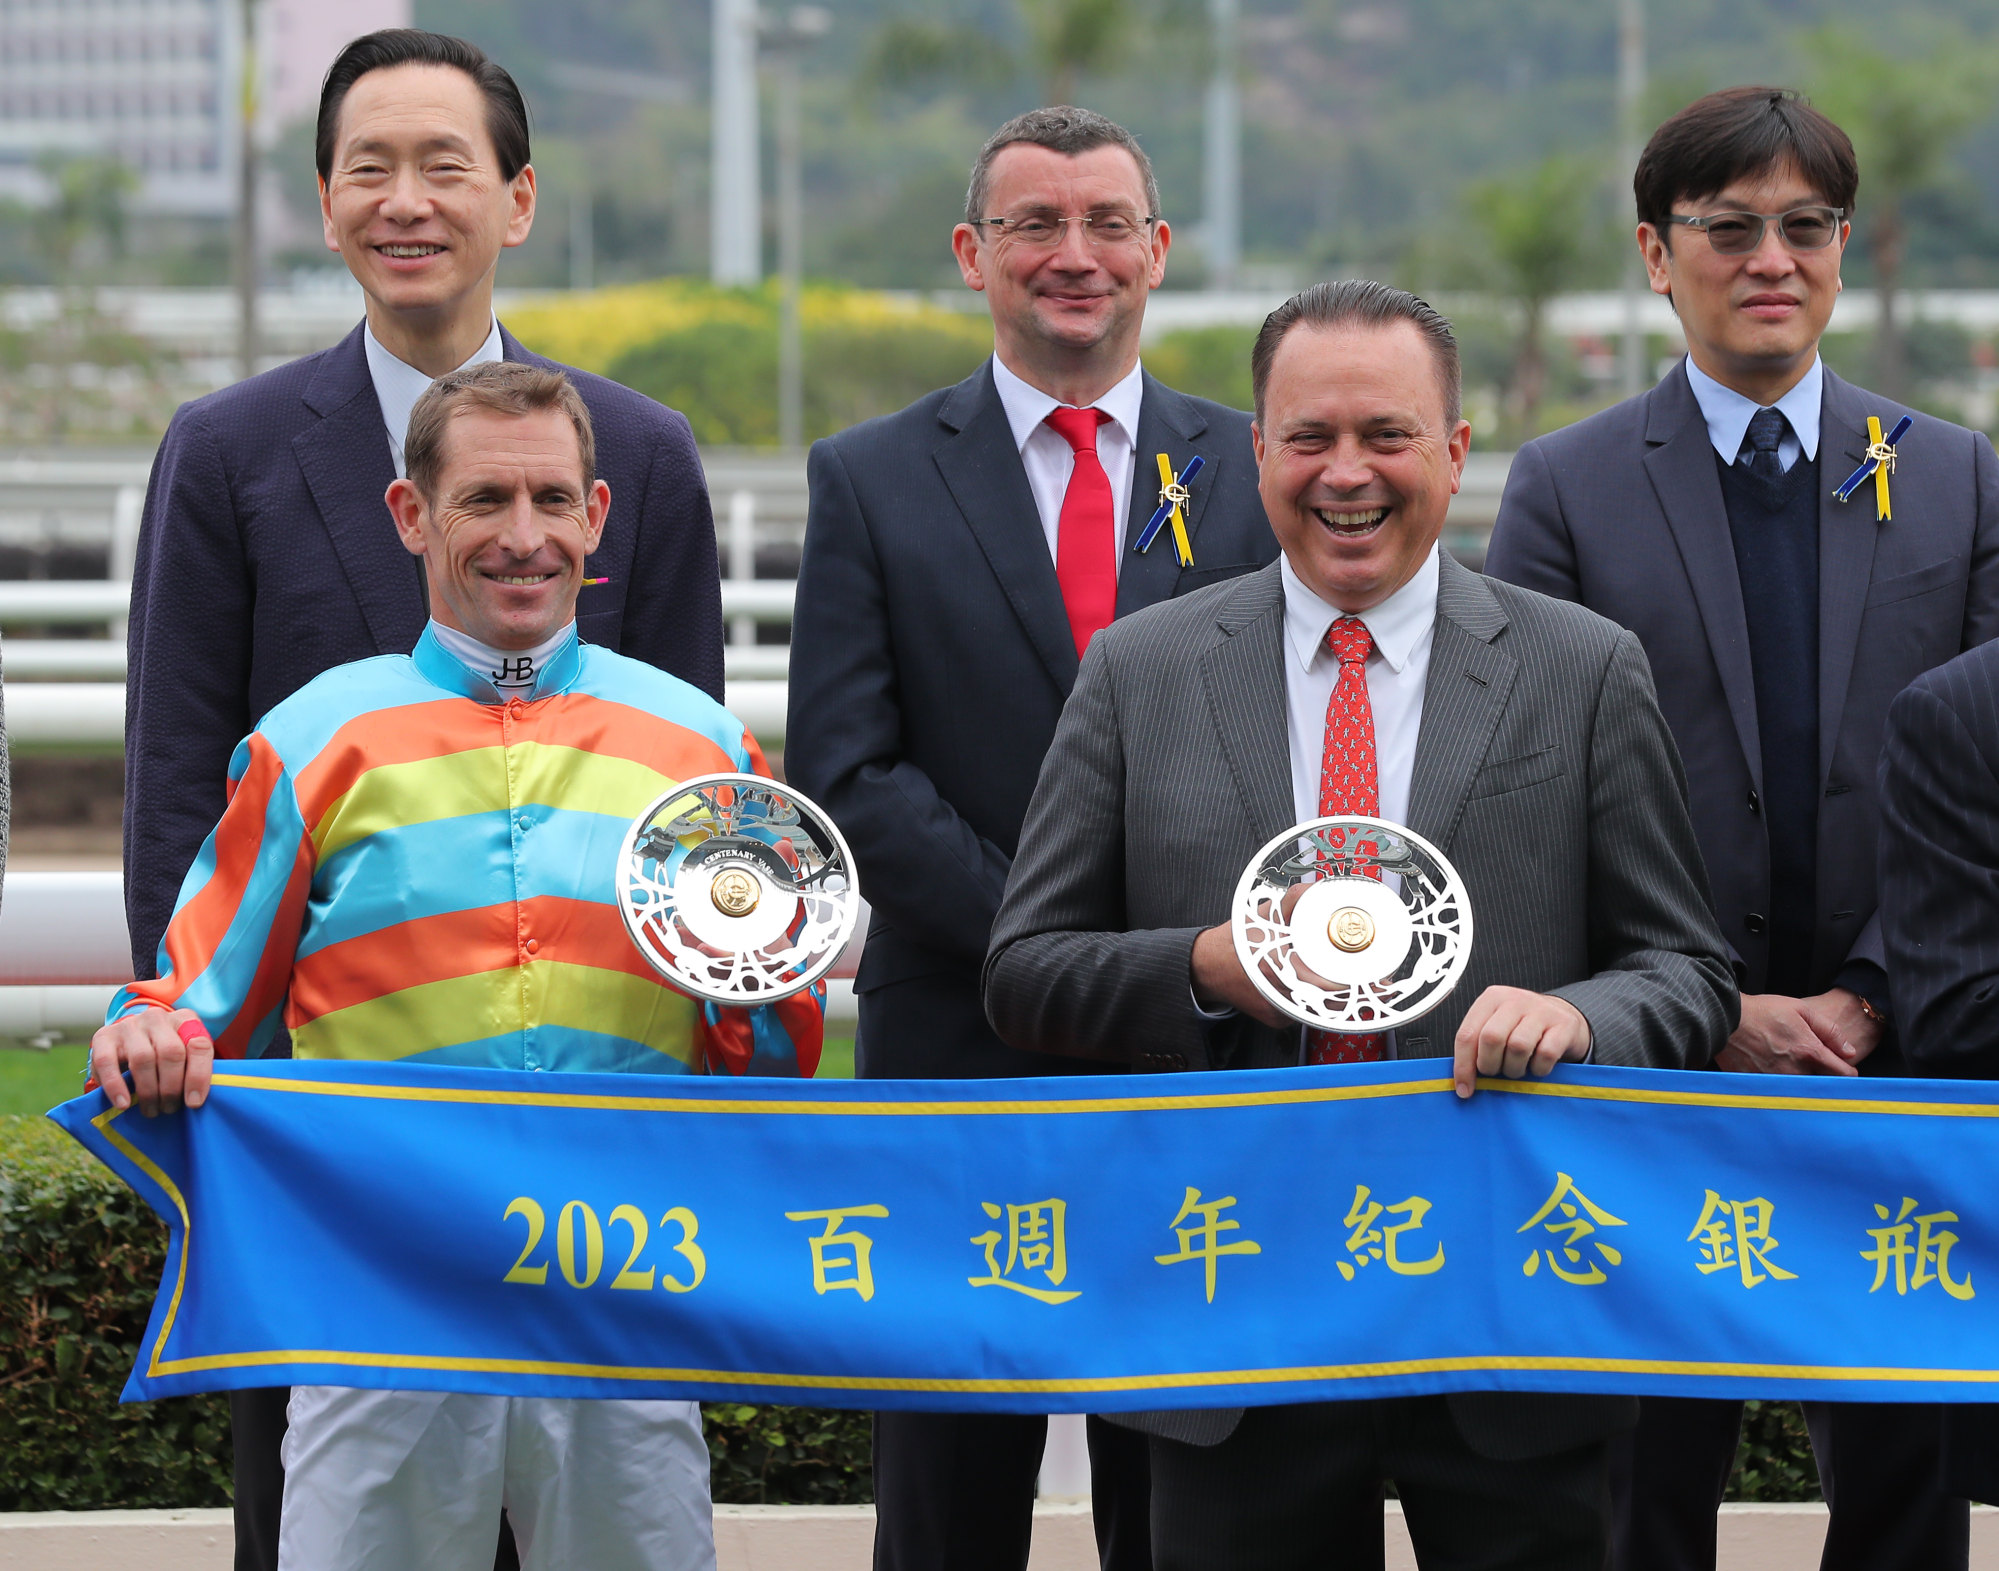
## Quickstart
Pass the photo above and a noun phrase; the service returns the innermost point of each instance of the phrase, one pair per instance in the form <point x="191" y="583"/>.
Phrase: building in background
<point x="299" y="40"/>
<point x="156" y="84"/>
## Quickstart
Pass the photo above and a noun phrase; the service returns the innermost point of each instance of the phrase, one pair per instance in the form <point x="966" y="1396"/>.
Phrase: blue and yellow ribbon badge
<point x="1880" y="463"/>
<point x="1173" y="499"/>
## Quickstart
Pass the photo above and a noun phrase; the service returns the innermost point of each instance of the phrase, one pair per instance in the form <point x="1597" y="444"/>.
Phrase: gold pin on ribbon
<point x="1174" y="496"/>
<point x="1879" y="462"/>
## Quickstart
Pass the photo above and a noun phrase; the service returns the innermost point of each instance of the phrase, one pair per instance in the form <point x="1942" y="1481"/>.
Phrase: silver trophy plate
<point x="737" y="890"/>
<point x="1336" y="947"/>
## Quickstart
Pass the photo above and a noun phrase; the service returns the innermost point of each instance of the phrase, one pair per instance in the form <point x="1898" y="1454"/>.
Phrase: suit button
<point x="1753" y="921"/>
<point x="1755" y="805"/>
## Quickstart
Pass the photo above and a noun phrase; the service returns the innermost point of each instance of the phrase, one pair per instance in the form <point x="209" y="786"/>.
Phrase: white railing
<point x="58" y="602"/>
<point x="64" y="951"/>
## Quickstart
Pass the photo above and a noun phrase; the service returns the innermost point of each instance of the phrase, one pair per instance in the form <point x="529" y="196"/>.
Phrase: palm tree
<point x="1542" y="237"/>
<point x="1067" y="39"/>
<point x="1904" y="115"/>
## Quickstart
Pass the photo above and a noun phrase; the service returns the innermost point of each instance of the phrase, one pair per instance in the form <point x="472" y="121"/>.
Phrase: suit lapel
<point x="1847" y="534"/>
<point x="981" y="467"/>
<point x="1169" y="423"/>
<point x="1463" y="697"/>
<point x="1242" y="675"/>
<point x="1681" y="464"/>
<point x="347" y="466"/>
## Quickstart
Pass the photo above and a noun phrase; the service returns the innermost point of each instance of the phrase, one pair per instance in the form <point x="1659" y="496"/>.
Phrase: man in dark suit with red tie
<point x="958" y="557"/>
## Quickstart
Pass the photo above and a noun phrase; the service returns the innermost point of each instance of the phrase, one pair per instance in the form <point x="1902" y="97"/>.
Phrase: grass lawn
<point x="32" y="1081"/>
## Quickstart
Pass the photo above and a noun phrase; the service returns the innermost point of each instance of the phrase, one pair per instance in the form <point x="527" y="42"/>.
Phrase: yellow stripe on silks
<point x="1882" y="512"/>
<point x="429" y="790"/>
<point x="583" y="781"/>
<point x="460" y="1009"/>
<point x="424" y="791"/>
<point x="586" y="998"/>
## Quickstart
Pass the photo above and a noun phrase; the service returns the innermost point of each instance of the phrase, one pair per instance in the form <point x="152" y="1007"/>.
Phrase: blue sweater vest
<point x="1775" y="528"/>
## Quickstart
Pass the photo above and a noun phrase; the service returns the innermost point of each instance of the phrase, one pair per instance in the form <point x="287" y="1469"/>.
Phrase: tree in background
<point x="80" y="371"/>
<point x="1543" y="234"/>
<point x="1067" y="39"/>
<point x="1905" y="115"/>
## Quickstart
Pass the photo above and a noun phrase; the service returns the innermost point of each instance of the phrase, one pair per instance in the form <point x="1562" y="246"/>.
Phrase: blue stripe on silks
<point x="368" y="885"/>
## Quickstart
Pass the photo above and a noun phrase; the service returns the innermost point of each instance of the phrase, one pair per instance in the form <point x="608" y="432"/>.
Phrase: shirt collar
<point x="438" y="666"/>
<point x="398" y="384"/>
<point x="1027" y="406"/>
<point x="1397" y="625"/>
<point x="1727" y="412"/>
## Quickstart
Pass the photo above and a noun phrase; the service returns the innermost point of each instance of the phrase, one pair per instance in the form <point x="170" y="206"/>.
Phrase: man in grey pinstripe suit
<point x="1939" y="863"/>
<point x="1520" y="735"/>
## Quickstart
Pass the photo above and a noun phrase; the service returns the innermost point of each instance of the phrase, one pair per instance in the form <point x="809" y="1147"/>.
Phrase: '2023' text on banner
<point x="1072" y="1244"/>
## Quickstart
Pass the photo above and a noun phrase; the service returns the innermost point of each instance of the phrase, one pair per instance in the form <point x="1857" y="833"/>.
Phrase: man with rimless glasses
<point x="959" y="556"/>
<point x="1780" y="621"/>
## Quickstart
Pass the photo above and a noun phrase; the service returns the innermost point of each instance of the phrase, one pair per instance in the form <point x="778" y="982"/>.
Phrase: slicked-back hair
<point x="506" y="110"/>
<point x="504" y="387"/>
<point x="1734" y="134"/>
<point x="1066" y="130"/>
<point x="1361" y="302"/>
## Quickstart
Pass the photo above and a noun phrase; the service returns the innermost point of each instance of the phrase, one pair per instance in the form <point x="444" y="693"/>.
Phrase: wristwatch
<point x="1867" y="1008"/>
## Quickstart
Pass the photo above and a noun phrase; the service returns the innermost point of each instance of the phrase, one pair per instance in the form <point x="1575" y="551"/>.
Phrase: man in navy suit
<point x="267" y="553"/>
<point x="958" y="557"/>
<point x="1780" y="622"/>
<point x="1940" y="924"/>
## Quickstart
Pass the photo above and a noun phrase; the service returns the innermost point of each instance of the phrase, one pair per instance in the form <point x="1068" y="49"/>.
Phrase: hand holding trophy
<point x="1332" y="944"/>
<point x="737" y="890"/>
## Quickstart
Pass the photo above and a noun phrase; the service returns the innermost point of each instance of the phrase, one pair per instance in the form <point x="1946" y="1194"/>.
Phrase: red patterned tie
<point x="1086" y="540"/>
<point x="1348" y="783"/>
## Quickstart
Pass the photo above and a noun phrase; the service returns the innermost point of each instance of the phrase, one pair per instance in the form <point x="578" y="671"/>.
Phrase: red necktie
<point x="1086" y="538"/>
<point x="1348" y="783"/>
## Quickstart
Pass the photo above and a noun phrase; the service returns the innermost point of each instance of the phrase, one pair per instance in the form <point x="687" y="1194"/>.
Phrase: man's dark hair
<point x="1360" y="302"/>
<point x="1740" y="132"/>
<point x="504" y="387"/>
<point x="1066" y="130"/>
<point x="506" y="110"/>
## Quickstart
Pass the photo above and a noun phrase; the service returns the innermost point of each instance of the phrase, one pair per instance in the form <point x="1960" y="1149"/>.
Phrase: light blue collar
<point x="1728" y="413"/>
<point x="441" y="668"/>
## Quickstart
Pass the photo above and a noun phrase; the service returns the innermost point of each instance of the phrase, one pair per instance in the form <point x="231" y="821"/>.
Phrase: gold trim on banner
<point x="157" y="1366"/>
<point x="1084" y="1385"/>
<point x="1191" y="1102"/>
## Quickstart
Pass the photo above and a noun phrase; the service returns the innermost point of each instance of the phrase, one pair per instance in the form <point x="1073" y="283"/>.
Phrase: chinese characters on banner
<point x="1736" y="1237"/>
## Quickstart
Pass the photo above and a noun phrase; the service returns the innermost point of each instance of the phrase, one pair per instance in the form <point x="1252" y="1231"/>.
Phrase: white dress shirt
<point x="1403" y="626"/>
<point x="1049" y="460"/>
<point x="398" y="384"/>
<point x="1727" y="414"/>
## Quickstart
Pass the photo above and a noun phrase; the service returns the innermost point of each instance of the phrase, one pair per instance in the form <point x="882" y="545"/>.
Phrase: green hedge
<point x="80" y="1256"/>
<point x="723" y="374"/>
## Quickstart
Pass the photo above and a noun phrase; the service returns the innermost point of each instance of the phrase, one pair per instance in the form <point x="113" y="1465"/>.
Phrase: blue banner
<point x="1098" y="1244"/>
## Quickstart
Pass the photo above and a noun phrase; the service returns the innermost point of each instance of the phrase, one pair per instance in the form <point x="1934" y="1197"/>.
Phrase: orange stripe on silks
<point x="758" y="766"/>
<point x="462" y="943"/>
<point x="400" y="735"/>
<point x="274" y="968"/>
<point x="805" y="1023"/>
<point x="603" y="725"/>
<point x="198" y="928"/>
<point x="728" y="1041"/>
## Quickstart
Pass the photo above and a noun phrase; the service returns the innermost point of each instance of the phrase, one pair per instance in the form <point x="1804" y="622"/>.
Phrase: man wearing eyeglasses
<point x="959" y="556"/>
<point x="1780" y="621"/>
